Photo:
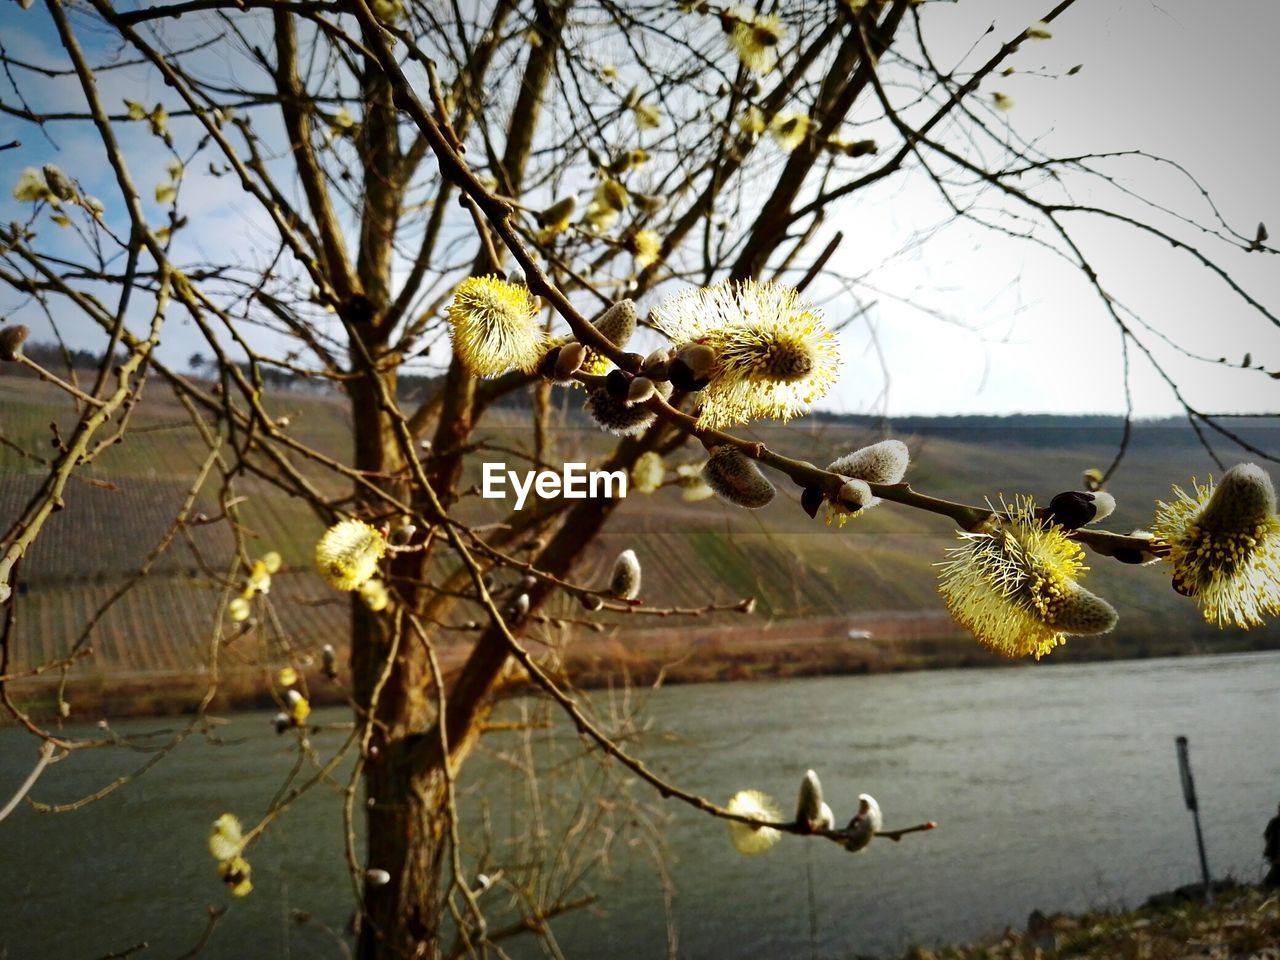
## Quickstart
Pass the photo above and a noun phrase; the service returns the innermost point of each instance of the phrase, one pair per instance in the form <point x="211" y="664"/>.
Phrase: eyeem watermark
<point x="574" y="482"/>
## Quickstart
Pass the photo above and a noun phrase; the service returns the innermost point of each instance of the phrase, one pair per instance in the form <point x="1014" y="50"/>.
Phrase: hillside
<point x="811" y="582"/>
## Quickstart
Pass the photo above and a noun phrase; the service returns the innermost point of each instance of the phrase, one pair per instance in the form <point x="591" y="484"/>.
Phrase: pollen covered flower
<point x="755" y="38"/>
<point x="348" y="554"/>
<point x="374" y="594"/>
<point x="32" y="187"/>
<point x="227" y="837"/>
<point x="299" y="707"/>
<point x="773" y="355"/>
<point x="609" y="200"/>
<point x="695" y="491"/>
<point x="1224" y="546"/>
<point x="1015" y="589"/>
<point x="259" y="577"/>
<point x="495" y="327"/>
<point x="235" y="874"/>
<point x="746" y="838"/>
<point x="648" y="473"/>
<point x="789" y="130"/>
<point x="239" y="610"/>
<point x="692" y="487"/>
<point x="555" y="218"/>
<point x="647" y="248"/>
<point x="752" y="123"/>
<point x="648" y="117"/>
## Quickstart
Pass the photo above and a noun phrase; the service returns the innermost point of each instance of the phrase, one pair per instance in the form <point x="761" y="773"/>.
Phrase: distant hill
<point x="878" y="567"/>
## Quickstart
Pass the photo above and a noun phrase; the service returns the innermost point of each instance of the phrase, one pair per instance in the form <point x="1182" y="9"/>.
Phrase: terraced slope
<point x="876" y="569"/>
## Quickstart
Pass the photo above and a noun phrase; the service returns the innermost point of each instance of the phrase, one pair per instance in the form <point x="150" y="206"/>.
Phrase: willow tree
<point x="532" y="180"/>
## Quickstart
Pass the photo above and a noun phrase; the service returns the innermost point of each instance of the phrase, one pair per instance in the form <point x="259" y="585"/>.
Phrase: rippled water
<point x="1054" y="787"/>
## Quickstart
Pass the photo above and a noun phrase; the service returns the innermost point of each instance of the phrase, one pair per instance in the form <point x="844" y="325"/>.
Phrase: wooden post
<point x="1189" y="795"/>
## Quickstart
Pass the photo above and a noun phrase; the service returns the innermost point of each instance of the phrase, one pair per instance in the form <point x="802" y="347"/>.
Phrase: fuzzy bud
<point x="558" y="215"/>
<point x="649" y="472"/>
<point x="883" y="462"/>
<point x="377" y="877"/>
<point x="618" y="323"/>
<point x="866" y="823"/>
<point x="735" y="476"/>
<point x="1084" y="614"/>
<point x="59" y="183"/>
<point x="590" y="601"/>
<point x="569" y="361"/>
<point x="519" y="607"/>
<point x="624" y="581"/>
<point x="855" y="495"/>
<point x="853" y="148"/>
<point x="402" y="534"/>
<point x="811" y="813"/>
<point x="329" y="659"/>
<point x="11" y="339"/>
<point x="617" y="416"/>
<point x="1243" y="498"/>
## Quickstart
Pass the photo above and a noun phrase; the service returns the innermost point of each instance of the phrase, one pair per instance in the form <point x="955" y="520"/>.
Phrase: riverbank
<point x="1242" y="924"/>
<point x="887" y="642"/>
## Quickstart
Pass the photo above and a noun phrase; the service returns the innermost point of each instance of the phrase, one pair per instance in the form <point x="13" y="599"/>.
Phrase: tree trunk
<point x="405" y="838"/>
<point x="404" y="781"/>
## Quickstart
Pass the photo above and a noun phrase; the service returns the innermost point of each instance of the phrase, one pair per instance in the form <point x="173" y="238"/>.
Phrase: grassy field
<point x="811" y="582"/>
<point x="1242" y="924"/>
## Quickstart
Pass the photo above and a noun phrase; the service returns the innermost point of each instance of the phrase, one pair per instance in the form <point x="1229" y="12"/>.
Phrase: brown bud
<point x="569" y="361"/>
<point x="691" y="368"/>
<point x="811" y="500"/>
<point x="655" y="360"/>
<point x="59" y="182"/>
<point x="617" y="384"/>
<point x="11" y="339"/>
<point x="402" y="534"/>
<point x="641" y="389"/>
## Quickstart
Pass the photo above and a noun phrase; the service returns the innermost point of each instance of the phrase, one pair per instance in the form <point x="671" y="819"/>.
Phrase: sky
<point x="975" y="322"/>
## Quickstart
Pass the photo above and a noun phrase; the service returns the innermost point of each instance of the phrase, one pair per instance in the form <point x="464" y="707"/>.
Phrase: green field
<point x="879" y="566"/>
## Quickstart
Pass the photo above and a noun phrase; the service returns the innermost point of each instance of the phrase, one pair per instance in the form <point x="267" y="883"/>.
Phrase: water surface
<point x="1054" y="787"/>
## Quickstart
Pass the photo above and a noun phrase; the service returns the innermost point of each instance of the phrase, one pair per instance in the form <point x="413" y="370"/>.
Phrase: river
<point x="1054" y="787"/>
